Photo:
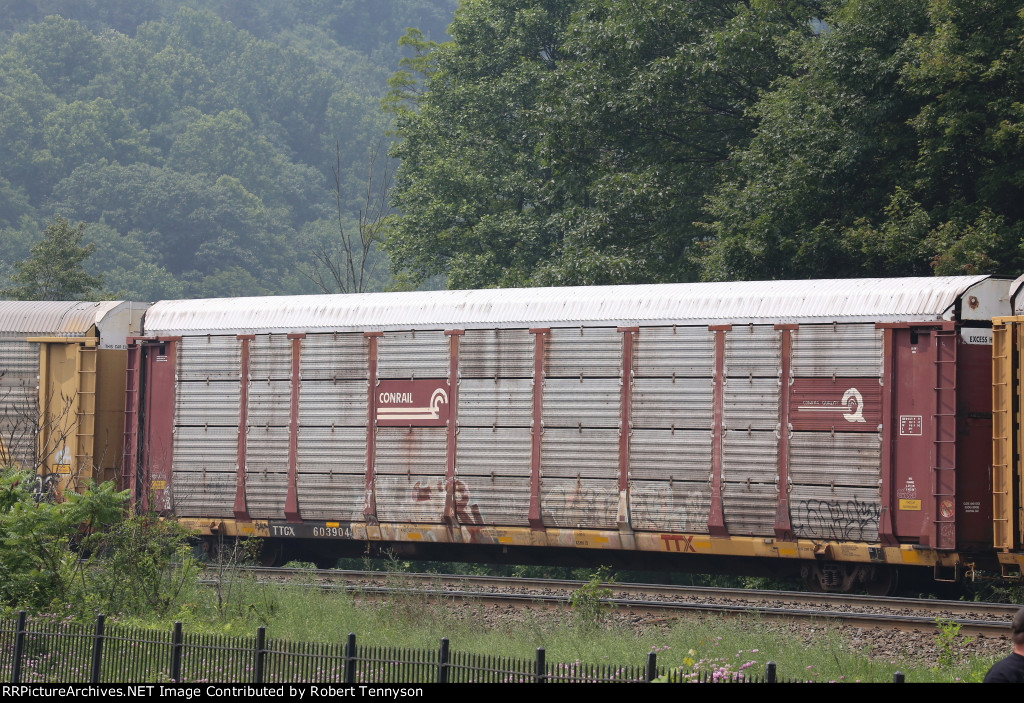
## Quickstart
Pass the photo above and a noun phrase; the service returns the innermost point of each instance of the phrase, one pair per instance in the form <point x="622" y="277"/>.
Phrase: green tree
<point x="62" y="52"/>
<point x="85" y="132"/>
<point x="894" y="149"/>
<point x="571" y="141"/>
<point x="54" y="271"/>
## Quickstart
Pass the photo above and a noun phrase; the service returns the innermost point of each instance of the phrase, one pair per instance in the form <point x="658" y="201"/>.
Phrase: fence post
<point x="97" y="649"/>
<point x="261" y="651"/>
<point x="350" y="658"/>
<point x="899" y="677"/>
<point x="652" y="666"/>
<point x="538" y="667"/>
<point x="19" y="646"/>
<point x="769" y="672"/>
<point x="442" y="664"/>
<point x="176" y="648"/>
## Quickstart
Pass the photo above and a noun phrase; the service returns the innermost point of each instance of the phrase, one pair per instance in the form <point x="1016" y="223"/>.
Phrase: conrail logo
<point x="420" y="402"/>
<point x="853" y="404"/>
<point x="386" y="403"/>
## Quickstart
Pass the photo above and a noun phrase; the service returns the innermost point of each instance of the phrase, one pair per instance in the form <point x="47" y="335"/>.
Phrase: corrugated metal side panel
<point x="680" y="506"/>
<point x="211" y="448"/>
<point x="213" y="358"/>
<point x="335" y="497"/>
<point x="750" y="456"/>
<point x="846" y="458"/>
<point x="332" y="473"/>
<point x="19" y="362"/>
<point x="19" y="400"/>
<point x="415" y="451"/>
<point x="270" y="356"/>
<point x="501" y="500"/>
<point x="493" y="475"/>
<point x="338" y="451"/>
<point x="410" y="499"/>
<point x="333" y="404"/>
<point x="328" y="356"/>
<point x="752" y="350"/>
<point x="749" y="508"/>
<point x="266" y="471"/>
<point x="592" y="402"/>
<point x="849" y="350"/>
<point x="19" y="414"/>
<point x="587" y="351"/>
<point x="201" y="403"/>
<point x="658" y="455"/>
<point x="819" y="512"/>
<point x="19" y="418"/>
<point x="496" y="354"/>
<point x="266" y="449"/>
<point x="587" y="454"/>
<point x="501" y="452"/>
<point x="269" y="403"/>
<point x="413" y="354"/>
<point x="682" y="351"/>
<point x="687" y="402"/>
<point x="751" y="403"/>
<point x="507" y="402"/>
<point x="204" y="471"/>
<point x="202" y="493"/>
<point x="572" y="503"/>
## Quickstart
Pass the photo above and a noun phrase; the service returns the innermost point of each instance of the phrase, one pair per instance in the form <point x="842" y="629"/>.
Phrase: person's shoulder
<point x="1008" y="670"/>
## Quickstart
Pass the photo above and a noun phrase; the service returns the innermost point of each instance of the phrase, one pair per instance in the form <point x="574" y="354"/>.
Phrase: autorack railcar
<point x="62" y="373"/>
<point x="841" y="429"/>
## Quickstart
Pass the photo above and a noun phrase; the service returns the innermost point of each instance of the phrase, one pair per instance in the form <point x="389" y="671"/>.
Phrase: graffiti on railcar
<point x="836" y="519"/>
<point x="671" y="508"/>
<point x="465" y="512"/>
<point x="568" y="503"/>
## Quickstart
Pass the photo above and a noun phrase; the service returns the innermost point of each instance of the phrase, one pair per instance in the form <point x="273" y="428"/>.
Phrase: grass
<point x="707" y="643"/>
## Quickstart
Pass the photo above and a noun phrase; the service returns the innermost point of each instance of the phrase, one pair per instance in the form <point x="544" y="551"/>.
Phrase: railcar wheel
<point x="272" y="553"/>
<point x="884" y="581"/>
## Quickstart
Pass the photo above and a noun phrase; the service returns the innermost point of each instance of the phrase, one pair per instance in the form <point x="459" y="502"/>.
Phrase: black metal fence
<point x="64" y="652"/>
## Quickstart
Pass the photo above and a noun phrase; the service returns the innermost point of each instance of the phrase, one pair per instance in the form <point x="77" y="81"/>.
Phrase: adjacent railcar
<point x="62" y="371"/>
<point x="838" y="428"/>
<point x="1008" y="437"/>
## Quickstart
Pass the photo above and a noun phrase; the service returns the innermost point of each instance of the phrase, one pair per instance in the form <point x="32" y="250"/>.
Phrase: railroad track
<point x="659" y="601"/>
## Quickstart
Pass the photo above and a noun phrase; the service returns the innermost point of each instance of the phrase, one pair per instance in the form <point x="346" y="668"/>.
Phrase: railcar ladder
<point x="131" y="419"/>
<point x="85" y="426"/>
<point x="1004" y="390"/>
<point x="943" y="532"/>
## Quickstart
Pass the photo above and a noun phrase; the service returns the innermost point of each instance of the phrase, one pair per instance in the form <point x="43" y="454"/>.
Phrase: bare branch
<point x="349" y="265"/>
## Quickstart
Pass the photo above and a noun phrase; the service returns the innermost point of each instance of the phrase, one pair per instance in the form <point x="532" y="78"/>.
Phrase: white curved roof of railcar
<point x="115" y="319"/>
<point x="841" y="300"/>
<point x="52" y="317"/>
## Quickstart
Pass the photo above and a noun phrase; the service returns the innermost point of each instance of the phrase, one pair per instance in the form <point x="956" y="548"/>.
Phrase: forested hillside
<point x="198" y="140"/>
<point x="604" y="141"/>
<point x="218" y="147"/>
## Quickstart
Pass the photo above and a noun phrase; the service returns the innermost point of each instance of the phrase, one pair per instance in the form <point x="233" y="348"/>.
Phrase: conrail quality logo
<point x="851" y="406"/>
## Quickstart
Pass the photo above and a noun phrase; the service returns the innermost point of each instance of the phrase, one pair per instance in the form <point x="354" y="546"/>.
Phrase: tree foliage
<point x="894" y="149"/>
<point x="54" y="271"/>
<point x="203" y="129"/>
<point x="83" y="554"/>
<point x="572" y="141"/>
